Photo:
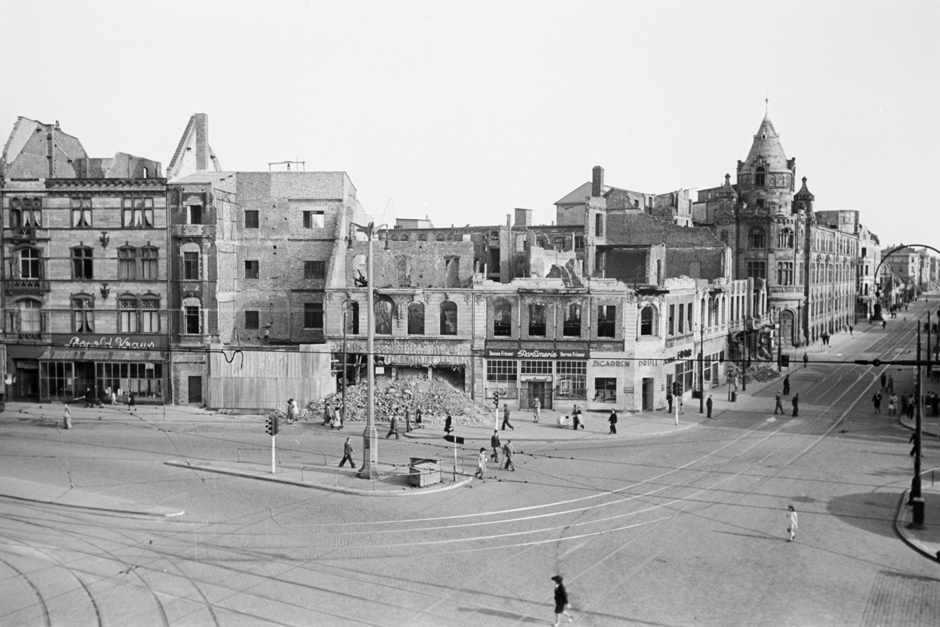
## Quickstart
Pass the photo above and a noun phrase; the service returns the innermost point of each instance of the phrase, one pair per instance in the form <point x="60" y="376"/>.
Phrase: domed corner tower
<point x="766" y="176"/>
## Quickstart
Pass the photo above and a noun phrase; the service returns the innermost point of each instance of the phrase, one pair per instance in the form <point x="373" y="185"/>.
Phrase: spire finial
<point x="766" y="107"/>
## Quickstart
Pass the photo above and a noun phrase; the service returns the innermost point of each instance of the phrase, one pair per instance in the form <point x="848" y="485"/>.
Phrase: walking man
<point x="779" y="405"/>
<point x="347" y="454"/>
<point x="507" y="453"/>
<point x="561" y="600"/>
<point x="796" y="404"/>
<point x="786" y="385"/>
<point x="536" y="406"/>
<point x="494" y="442"/>
<point x="419" y="422"/>
<point x="506" y="418"/>
<point x="892" y="404"/>
<point x="805" y="359"/>
<point x="407" y="420"/>
<point x="291" y="411"/>
<point x="792" y="523"/>
<point x="448" y="424"/>
<point x="851" y="328"/>
<point x="393" y="428"/>
<point x="884" y="380"/>
<point x="613" y="422"/>
<point x="876" y="401"/>
<point x="708" y="406"/>
<point x="481" y="463"/>
<point x="669" y="400"/>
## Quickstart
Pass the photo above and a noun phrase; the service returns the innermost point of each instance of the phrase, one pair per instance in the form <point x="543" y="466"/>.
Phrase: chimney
<point x="523" y="217"/>
<point x="202" y="142"/>
<point x="597" y="182"/>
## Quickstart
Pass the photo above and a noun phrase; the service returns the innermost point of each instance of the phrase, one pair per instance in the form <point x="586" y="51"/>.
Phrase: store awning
<point x="99" y="355"/>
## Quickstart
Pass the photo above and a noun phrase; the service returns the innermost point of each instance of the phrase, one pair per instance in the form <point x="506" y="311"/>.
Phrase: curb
<point x="900" y="524"/>
<point x="315" y="486"/>
<point x="168" y="513"/>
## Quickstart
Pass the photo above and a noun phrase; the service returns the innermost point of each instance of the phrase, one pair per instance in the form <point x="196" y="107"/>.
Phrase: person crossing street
<point x="779" y="406"/>
<point x="495" y="444"/>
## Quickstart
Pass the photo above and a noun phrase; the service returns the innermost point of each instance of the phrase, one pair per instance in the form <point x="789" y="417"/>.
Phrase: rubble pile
<point x="757" y="372"/>
<point x="436" y="399"/>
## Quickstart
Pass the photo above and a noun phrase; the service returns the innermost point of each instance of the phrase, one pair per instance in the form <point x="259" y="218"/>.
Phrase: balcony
<point x="189" y="230"/>
<point x="25" y="234"/>
<point x="26" y="286"/>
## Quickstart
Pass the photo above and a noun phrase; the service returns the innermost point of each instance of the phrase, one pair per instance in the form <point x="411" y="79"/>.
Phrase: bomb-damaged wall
<point x="413" y="264"/>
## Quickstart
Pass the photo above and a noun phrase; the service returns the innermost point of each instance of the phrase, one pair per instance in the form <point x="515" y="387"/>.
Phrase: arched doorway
<point x="787" y="328"/>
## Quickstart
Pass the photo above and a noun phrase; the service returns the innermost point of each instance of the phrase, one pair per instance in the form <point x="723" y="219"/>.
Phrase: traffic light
<point x="270" y="426"/>
<point x="496" y="399"/>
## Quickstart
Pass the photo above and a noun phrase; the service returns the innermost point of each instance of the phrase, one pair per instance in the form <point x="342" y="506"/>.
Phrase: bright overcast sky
<point x="462" y="111"/>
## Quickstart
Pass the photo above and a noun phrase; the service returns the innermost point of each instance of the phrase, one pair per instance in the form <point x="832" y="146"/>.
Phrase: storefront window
<point x="144" y="380"/>
<point x="56" y="379"/>
<point x="572" y="380"/>
<point x="501" y="370"/>
<point x="536" y="367"/>
<point x="605" y="389"/>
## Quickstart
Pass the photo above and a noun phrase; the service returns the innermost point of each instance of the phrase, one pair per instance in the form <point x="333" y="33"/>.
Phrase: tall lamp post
<point x="370" y="440"/>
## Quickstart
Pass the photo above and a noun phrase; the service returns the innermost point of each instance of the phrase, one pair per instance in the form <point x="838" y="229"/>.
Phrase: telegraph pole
<point x="370" y="439"/>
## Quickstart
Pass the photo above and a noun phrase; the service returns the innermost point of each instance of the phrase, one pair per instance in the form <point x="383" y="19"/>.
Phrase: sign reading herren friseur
<point x="534" y="353"/>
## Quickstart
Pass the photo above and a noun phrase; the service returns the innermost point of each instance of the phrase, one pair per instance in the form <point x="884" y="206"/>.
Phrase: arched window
<point x="448" y="318"/>
<point x="384" y="310"/>
<point x="756" y="238"/>
<point x="647" y="318"/>
<point x="352" y="317"/>
<point x="192" y="316"/>
<point x="422" y="237"/>
<point x="30" y="263"/>
<point x="416" y="319"/>
<point x="28" y="316"/>
<point x="439" y="237"/>
<point x="82" y="263"/>
<point x="502" y="318"/>
<point x="83" y="314"/>
<point x="127" y="263"/>
<point x="785" y="238"/>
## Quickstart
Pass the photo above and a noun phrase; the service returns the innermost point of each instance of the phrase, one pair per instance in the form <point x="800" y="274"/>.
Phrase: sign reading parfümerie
<point x="534" y="353"/>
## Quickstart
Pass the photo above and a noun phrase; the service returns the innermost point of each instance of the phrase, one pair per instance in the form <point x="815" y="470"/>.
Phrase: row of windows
<point x="311" y="219"/>
<point x="384" y="312"/>
<point x="135" y="213"/>
<point x="313" y="317"/>
<point x="136" y="314"/>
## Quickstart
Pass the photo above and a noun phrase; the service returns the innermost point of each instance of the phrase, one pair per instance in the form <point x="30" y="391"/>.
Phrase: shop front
<point x="611" y="382"/>
<point x="105" y="368"/>
<point x="522" y="375"/>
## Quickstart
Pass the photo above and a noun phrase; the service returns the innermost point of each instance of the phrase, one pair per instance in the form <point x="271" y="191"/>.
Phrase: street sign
<point x="454" y="438"/>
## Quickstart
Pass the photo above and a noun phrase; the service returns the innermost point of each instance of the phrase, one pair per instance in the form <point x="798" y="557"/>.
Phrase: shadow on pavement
<point x="873" y="512"/>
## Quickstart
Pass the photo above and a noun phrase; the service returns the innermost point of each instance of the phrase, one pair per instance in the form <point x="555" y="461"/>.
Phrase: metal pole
<point x="928" y="343"/>
<point x="342" y="420"/>
<point x="918" y="386"/>
<point x="701" y="365"/>
<point x="370" y="439"/>
<point x="273" y="469"/>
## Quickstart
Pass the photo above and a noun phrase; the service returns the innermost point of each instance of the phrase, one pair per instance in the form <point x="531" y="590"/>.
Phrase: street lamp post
<point x="370" y="440"/>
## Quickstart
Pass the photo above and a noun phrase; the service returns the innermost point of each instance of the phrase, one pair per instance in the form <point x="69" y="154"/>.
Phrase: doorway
<point x="647" y="394"/>
<point x="195" y="390"/>
<point x="539" y="390"/>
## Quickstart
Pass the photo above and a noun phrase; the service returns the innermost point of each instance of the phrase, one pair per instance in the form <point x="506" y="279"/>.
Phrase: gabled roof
<point x="195" y="140"/>
<point x="578" y="195"/>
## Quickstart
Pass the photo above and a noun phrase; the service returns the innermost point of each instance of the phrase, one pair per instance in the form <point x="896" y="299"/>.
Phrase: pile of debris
<point x="436" y="399"/>
<point x="757" y="372"/>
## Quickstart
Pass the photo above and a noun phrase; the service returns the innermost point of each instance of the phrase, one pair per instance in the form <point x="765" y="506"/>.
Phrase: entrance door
<point x="539" y="390"/>
<point x="647" y="394"/>
<point x="27" y="384"/>
<point x="786" y="328"/>
<point x="195" y="390"/>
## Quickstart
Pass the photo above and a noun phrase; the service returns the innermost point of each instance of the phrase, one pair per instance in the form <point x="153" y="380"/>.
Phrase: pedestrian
<point x="613" y="422"/>
<point x="876" y="402"/>
<point x="419" y="419"/>
<point x="805" y="359"/>
<point x="290" y="411"/>
<point x="67" y="417"/>
<point x="796" y="404"/>
<point x="448" y="424"/>
<point x="580" y="418"/>
<point x="576" y="422"/>
<point x="892" y="404"/>
<point x="408" y="421"/>
<point x="708" y="406"/>
<point x="910" y="406"/>
<point x="507" y="453"/>
<point x="681" y="405"/>
<point x="884" y="324"/>
<point x="481" y="463"/>
<point x="561" y="600"/>
<point x="327" y="414"/>
<point x="786" y="385"/>
<point x="791" y="523"/>
<point x="851" y="328"/>
<point x="669" y="400"/>
<point x="131" y="401"/>
<point x="494" y="442"/>
<point x="904" y="404"/>
<point x="913" y="440"/>
<point x="506" y="418"/>
<point x="536" y="406"/>
<point x="884" y="381"/>
<point x="393" y="428"/>
<point x="779" y="405"/>
<point x="347" y="454"/>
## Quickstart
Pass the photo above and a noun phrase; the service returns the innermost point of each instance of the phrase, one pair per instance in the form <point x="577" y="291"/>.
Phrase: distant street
<point x="687" y="529"/>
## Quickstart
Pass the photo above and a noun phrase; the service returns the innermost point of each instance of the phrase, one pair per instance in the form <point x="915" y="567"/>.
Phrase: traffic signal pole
<point x="273" y="467"/>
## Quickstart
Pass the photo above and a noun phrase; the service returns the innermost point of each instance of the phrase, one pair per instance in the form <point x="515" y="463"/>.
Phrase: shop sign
<point x="610" y="363"/>
<point x="646" y="363"/>
<point x="684" y="353"/>
<point x="534" y="353"/>
<point x="110" y="343"/>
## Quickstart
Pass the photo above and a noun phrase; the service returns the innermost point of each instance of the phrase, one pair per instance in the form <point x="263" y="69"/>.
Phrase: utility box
<point x="423" y="472"/>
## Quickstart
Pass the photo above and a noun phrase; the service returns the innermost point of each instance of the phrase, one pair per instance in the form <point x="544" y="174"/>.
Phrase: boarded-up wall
<point x="258" y="380"/>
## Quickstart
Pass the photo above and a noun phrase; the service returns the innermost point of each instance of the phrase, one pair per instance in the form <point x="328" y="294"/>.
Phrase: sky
<point x="462" y="111"/>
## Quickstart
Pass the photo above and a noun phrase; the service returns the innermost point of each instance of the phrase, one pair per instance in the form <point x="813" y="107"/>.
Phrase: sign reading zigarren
<point x="534" y="353"/>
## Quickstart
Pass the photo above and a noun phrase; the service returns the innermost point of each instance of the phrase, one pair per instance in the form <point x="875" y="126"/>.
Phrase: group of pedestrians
<point x="778" y="398"/>
<point x="508" y="452"/>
